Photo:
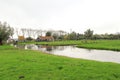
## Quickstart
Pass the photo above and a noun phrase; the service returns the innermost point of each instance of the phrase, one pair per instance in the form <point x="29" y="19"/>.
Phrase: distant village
<point x="37" y="35"/>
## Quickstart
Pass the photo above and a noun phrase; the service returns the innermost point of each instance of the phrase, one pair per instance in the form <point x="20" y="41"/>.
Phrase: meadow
<point x="18" y="64"/>
<point x="54" y="43"/>
<point x="102" y="44"/>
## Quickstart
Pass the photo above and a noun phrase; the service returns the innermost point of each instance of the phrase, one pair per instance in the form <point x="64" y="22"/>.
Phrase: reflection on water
<point x="72" y="51"/>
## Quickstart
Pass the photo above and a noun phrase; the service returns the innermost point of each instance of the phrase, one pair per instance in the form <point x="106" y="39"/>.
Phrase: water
<point x="72" y="51"/>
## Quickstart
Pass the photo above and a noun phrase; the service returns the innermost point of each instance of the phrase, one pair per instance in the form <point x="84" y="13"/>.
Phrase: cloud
<point x="99" y="15"/>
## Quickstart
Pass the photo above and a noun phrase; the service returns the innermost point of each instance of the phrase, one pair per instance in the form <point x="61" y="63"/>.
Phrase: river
<point x="74" y="52"/>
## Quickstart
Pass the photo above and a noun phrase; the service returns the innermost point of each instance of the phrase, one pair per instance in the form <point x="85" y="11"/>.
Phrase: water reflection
<point x="72" y="51"/>
<point x="31" y="46"/>
<point x="50" y="49"/>
<point x="47" y="48"/>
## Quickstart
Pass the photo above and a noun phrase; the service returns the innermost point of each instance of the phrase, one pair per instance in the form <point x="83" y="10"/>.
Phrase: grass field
<point x="102" y="44"/>
<point x="56" y="43"/>
<point x="17" y="64"/>
<point x="6" y="47"/>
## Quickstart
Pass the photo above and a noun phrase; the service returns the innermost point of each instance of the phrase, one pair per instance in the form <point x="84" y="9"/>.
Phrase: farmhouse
<point x="21" y="38"/>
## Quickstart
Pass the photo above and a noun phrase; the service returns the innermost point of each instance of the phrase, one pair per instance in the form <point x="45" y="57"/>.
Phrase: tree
<point x="96" y="36"/>
<point x="80" y="36"/>
<point x="48" y="33"/>
<point x="29" y="38"/>
<point x="55" y="36"/>
<point x="5" y="32"/>
<point x="72" y="36"/>
<point x="88" y="34"/>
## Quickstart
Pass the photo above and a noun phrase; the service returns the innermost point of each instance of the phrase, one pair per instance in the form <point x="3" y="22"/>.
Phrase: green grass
<point x="35" y="65"/>
<point x="101" y="44"/>
<point x="4" y="47"/>
<point x="56" y="43"/>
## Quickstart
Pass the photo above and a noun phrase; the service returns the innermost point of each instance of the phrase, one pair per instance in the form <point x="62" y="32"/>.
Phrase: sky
<point x="102" y="16"/>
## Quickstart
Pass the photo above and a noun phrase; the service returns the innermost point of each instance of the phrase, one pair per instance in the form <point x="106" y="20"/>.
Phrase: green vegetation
<point x="6" y="47"/>
<point x="63" y="35"/>
<point x="55" y="43"/>
<point x="102" y="44"/>
<point x="17" y="64"/>
<point x="88" y="34"/>
<point x="5" y="32"/>
<point x="48" y="33"/>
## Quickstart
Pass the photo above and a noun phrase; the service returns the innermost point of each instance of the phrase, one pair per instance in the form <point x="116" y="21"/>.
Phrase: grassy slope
<point x="34" y="65"/>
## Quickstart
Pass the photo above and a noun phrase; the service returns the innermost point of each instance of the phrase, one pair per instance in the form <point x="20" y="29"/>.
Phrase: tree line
<point x="88" y="34"/>
<point x="63" y="35"/>
<point x="6" y="32"/>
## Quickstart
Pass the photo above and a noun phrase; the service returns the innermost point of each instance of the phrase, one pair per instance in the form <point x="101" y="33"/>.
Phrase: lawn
<point x="18" y="64"/>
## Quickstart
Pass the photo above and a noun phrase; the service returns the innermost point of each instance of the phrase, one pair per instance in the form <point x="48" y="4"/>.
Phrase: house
<point x="45" y="38"/>
<point x="21" y="38"/>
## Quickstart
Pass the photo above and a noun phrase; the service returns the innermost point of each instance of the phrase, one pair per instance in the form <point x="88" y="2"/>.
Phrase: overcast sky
<point x="102" y="16"/>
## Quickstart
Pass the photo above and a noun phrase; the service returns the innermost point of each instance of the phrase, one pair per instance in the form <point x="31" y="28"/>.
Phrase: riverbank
<point x="18" y="64"/>
<point x="89" y="44"/>
<point x="55" y="43"/>
<point x="102" y="44"/>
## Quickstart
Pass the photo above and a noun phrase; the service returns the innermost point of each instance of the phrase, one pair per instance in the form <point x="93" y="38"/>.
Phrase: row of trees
<point x="58" y="35"/>
<point x="88" y="34"/>
<point x="28" y="32"/>
<point x="6" y="31"/>
<point x="34" y="33"/>
<point x="62" y="35"/>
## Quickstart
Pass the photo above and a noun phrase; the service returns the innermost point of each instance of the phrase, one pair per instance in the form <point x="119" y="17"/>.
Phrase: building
<point x="21" y="38"/>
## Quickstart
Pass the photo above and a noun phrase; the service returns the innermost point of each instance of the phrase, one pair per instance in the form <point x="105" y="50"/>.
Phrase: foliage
<point x="29" y="38"/>
<point x="72" y="36"/>
<point x="55" y="36"/>
<point x="48" y="33"/>
<point x="5" y="31"/>
<point x="62" y="35"/>
<point x="88" y="34"/>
